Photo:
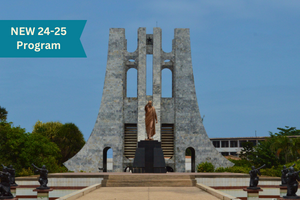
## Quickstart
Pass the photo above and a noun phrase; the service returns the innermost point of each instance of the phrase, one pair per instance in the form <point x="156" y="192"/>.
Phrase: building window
<point x="233" y="153"/>
<point x="224" y="143"/>
<point x="216" y="144"/>
<point x="253" y="141"/>
<point x="233" y="143"/>
<point x="225" y="153"/>
<point x="242" y="142"/>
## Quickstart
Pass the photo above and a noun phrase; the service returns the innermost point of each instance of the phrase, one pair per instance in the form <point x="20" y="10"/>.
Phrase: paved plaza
<point x="148" y="193"/>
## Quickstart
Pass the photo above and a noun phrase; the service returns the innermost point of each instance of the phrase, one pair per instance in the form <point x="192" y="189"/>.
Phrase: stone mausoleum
<point x="121" y="120"/>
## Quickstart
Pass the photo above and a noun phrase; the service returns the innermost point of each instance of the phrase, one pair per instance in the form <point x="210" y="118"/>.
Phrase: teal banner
<point x="41" y="38"/>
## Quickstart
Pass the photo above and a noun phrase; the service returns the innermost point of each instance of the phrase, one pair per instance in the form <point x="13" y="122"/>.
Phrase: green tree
<point x="248" y="151"/>
<point x="21" y="148"/>
<point x="287" y="131"/>
<point x="263" y="154"/>
<point x="39" y="149"/>
<point x="70" y="141"/>
<point x="11" y="143"/>
<point x="67" y="137"/>
<point x="260" y="154"/>
<point x="3" y="114"/>
<point x="285" y="147"/>
<point x="276" y="150"/>
<point x="48" y="129"/>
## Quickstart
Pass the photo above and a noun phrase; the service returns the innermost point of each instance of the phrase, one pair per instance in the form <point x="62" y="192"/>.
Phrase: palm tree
<point x="289" y="147"/>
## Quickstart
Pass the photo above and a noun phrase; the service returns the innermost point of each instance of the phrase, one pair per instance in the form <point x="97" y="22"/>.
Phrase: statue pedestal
<point x="252" y="194"/>
<point x="13" y="190"/>
<point x="43" y="194"/>
<point x="283" y="190"/>
<point x="149" y="157"/>
<point x="289" y="197"/>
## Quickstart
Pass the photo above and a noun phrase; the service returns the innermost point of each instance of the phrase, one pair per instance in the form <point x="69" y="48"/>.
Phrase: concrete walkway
<point x="148" y="193"/>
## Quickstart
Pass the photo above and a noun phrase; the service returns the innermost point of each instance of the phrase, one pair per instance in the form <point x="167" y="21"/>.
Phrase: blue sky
<point x="245" y="56"/>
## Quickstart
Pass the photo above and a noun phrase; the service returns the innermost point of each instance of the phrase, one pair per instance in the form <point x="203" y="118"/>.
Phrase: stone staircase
<point x="148" y="180"/>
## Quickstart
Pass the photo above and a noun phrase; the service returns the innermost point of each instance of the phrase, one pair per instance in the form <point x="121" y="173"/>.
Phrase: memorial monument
<point x="120" y="124"/>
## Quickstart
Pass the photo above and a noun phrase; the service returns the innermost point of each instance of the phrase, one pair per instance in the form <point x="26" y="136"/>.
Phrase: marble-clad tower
<point x="121" y="120"/>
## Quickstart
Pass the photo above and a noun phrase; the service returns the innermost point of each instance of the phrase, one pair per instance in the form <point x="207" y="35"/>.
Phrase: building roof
<point x="249" y="138"/>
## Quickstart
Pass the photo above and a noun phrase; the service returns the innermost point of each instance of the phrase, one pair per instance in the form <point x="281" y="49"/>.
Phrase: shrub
<point x="25" y="172"/>
<point x="272" y="171"/>
<point x="242" y="162"/>
<point x="221" y="169"/>
<point x="239" y="169"/>
<point x="205" y="167"/>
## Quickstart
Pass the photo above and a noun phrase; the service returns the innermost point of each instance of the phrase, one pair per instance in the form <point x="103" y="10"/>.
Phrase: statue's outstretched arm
<point x="36" y="167"/>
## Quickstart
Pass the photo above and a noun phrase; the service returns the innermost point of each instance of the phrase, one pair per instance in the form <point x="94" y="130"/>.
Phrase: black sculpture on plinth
<point x="254" y="178"/>
<point x="12" y="172"/>
<point x="149" y="158"/>
<point x="292" y="184"/>
<point x="43" y="179"/>
<point x="284" y="171"/>
<point x="5" y="185"/>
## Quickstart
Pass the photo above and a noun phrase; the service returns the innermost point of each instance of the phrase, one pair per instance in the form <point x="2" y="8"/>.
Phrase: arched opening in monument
<point x="131" y="86"/>
<point x="166" y="83"/>
<point x="149" y="73"/>
<point x="107" y="159"/>
<point x="190" y="159"/>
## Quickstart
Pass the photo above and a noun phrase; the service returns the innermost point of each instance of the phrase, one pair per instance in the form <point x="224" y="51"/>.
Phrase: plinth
<point x="289" y="197"/>
<point x="13" y="190"/>
<point x="252" y="193"/>
<point x="149" y="157"/>
<point x="43" y="194"/>
<point x="283" y="190"/>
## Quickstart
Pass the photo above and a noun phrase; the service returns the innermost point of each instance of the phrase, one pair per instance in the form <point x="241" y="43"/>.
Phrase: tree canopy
<point x="3" y="114"/>
<point x="66" y="136"/>
<point x="49" y="144"/>
<point x="21" y="148"/>
<point x="276" y="150"/>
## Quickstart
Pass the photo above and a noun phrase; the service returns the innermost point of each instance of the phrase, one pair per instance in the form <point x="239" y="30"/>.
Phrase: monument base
<point x="43" y="194"/>
<point x="291" y="197"/>
<point x="252" y="194"/>
<point x="9" y="197"/>
<point x="149" y="157"/>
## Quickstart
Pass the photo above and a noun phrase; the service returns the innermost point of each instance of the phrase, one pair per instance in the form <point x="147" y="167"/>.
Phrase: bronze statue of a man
<point x="150" y="120"/>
